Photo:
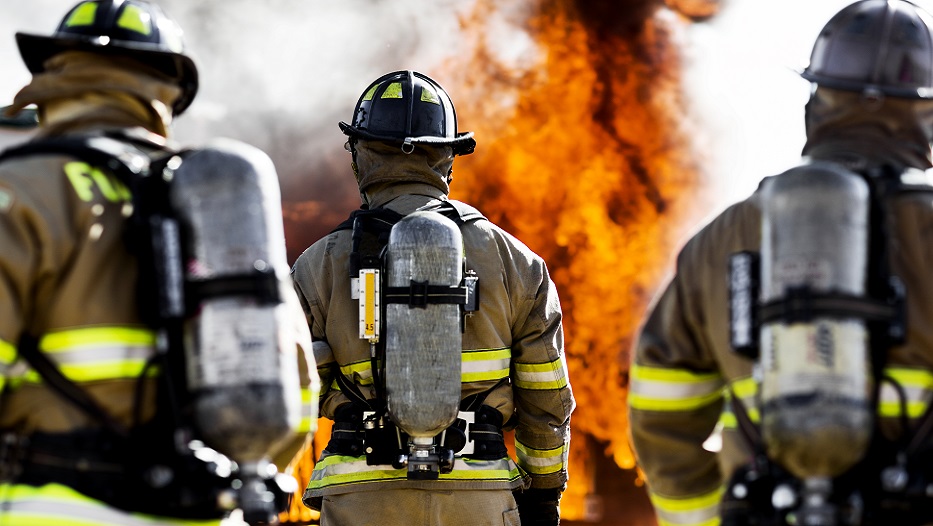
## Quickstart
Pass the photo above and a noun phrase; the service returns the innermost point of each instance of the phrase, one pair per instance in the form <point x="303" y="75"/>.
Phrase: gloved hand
<point x="538" y="507"/>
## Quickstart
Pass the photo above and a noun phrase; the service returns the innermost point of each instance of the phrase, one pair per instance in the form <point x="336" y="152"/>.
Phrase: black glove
<point x="538" y="507"/>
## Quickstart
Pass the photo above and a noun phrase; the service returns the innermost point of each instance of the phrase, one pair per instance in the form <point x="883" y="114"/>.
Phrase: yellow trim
<point x="893" y="409"/>
<point x="684" y="404"/>
<point x="369" y="94"/>
<point x="135" y="19"/>
<point x="745" y="387"/>
<point x="68" y="339"/>
<point x="688" y="504"/>
<point x="393" y="91"/>
<point x="680" y="376"/>
<point x="428" y="96"/>
<point x="479" y="355"/>
<point x="7" y="353"/>
<point x="83" y="15"/>
<point x="911" y="377"/>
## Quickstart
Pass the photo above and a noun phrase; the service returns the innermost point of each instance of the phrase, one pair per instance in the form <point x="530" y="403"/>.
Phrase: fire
<point x="585" y="154"/>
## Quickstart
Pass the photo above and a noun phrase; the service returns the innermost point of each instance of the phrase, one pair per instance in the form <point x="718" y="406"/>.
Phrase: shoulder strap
<point x="28" y="349"/>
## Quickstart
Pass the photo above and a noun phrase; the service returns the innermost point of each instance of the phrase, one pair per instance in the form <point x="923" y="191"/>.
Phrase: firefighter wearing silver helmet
<point x="711" y="353"/>
<point x="87" y="424"/>
<point x="510" y="367"/>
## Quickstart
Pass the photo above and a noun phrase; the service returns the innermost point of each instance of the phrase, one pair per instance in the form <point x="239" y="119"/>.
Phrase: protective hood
<point x="113" y="90"/>
<point x="378" y="163"/>
<point x="844" y="125"/>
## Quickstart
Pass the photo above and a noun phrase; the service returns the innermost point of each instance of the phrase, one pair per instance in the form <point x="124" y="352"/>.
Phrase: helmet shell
<point x="879" y="46"/>
<point x="409" y="108"/>
<point x="131" y="28"/>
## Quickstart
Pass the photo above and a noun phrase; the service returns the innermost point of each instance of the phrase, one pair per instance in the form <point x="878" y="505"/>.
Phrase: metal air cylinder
<point x="241" y="339"/>
<point x="816" y="380"/>
<point x="423" y="341"/>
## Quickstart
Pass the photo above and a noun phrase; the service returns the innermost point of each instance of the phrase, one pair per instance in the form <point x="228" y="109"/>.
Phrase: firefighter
<point x="84" y="435"/>
<point x="870" y="120"/>
<point x="403" y="139"/>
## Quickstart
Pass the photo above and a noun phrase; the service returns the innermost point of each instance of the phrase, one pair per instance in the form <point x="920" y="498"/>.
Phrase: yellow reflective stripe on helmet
<point x="335" y="470"/>
<point x="83" y="15"/>
<point x="359" y="372"/>
<point x="369" y="94"/>
<point x="135" y="19"/>
<point x="541" y="461"/>
<point x="429" y="96"/>
<point x="63" y="506"/>
<point x="484" y="364"/>
<point x="541" y="376"/>
<point x="917" y="385"/>
<point x="692" y="511"/>
<point x="393" y="91"/>
<point x="662" y="389"/>
<point x="309" y="403"/>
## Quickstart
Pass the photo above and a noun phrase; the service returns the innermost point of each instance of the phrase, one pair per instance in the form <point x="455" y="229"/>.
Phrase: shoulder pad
<point x="465" y="212"/>
<point x="122" y="157"/>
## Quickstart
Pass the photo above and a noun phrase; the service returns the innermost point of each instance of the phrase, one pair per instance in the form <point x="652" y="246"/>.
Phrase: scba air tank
<point x="241" y="336"/>
<point x="423" y="339"/>
<point x="816" y="380"/>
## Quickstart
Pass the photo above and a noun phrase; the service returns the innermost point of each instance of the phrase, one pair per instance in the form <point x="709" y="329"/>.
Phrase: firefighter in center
<point x="502" y="346"/>
<point x="797" y="326"/>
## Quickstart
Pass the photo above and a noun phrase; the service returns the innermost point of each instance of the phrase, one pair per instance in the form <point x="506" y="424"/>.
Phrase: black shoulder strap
<point x="29" y="350"/>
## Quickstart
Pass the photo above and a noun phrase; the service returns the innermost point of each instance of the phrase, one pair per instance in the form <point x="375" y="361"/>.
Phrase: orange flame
<point x="593" y="168"/>
<point x="585" y="154"/>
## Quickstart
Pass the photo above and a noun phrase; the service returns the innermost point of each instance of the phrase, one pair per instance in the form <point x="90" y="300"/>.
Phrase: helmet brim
<point x="462" y="144"/>
<point x="181" y="69"/>
<point x="861" y="86"/>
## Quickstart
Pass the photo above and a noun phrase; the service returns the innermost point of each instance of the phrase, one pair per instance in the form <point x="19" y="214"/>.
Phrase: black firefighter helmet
<point x="135" y="29"/>
<point x="409" y="108"/>
<point x="880" y="46"/>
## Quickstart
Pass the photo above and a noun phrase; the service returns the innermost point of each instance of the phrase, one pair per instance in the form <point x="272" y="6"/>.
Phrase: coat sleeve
<point x="541" y="385"/>
<point x="675" y="400"/>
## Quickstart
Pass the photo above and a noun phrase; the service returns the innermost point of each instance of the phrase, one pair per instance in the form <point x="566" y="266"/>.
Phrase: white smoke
<point x="278" y="74"/>
<point x="743" y="79"/>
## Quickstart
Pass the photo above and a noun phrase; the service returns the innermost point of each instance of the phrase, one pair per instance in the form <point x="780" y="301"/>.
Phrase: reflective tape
<point x="660" y="389"/>
<point x="746" y="390"/>
<point x="542" y="461"/>
<point x="62" y="506"/>
<point x="362" y="371"/>
<point x="99" y="353"/>
<point x="7" y="353"/>
<point x="917" y="385"/>
<point x="692" y="511"/>
<point x="334" y="470"/>
<point x="83" y="15"/>
<point x="485" y="364"/>
<point x="135" y="19"/>
<point x="541" y="376"/>
<point x="393" y="91"/>
<point x="309" y="404"/>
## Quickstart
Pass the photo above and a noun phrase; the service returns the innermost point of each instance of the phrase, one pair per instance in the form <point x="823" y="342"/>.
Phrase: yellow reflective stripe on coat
<point x="542" y="461"/>
<point x="62" y="506"/>
<point x="359" y="372"/>
<point x="746" y="389"/>
<point x="661" y="389"/>
<point x="918" y="388"/>
<point x="98" y="353"/>
<point x="335" y="470"/>
<point x="541" y="376"/>
<point x="692" y="511"/>
<point x="7" y="357"/>
<point x="309" y="403"/>
<point x="484" y="364"/>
